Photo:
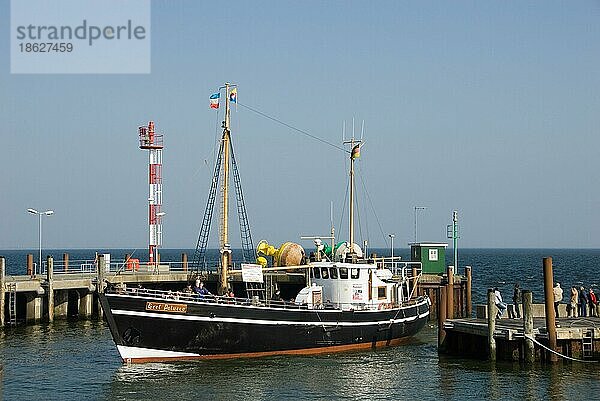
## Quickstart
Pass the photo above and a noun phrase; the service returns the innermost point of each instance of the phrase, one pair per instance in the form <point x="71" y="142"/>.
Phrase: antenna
<point x="331" y="213"/>
<point x="362" y="130"/>
<point x="344" y="131"/>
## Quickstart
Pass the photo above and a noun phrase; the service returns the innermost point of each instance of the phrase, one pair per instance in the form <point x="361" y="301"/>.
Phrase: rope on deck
<point x="558" y="353"/>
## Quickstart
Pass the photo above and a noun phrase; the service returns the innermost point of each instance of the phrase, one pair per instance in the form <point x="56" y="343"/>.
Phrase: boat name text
<point x="162" y="307"/>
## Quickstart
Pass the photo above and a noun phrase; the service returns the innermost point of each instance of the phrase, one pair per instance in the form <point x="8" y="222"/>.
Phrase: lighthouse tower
<point x="153" y="143"/>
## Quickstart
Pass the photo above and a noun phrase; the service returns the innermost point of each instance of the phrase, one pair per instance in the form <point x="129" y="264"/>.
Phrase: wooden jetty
<point x="70" y="288"/>
<point x="576" y="338"/>
<point x="538" y="336"/>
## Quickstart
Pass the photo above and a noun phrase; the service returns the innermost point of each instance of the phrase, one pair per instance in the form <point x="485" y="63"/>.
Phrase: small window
<point x="354" y="273"/>
<point x="317" y="272"/>
<point x="312" y="274"/>
<point x="344" y="272"/>
<point x="381" y="293"/>
<point x="333" y="272"/>
<point x="324" y="272"/>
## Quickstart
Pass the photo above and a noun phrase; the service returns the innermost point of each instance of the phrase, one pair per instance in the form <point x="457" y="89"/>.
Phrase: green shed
<point x="432" y="256"/>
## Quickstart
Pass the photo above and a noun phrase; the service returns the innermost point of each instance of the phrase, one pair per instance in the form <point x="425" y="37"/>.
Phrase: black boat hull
<point x="147" y="328"/>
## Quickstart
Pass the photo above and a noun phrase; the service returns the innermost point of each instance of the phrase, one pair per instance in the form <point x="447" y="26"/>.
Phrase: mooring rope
<point x="557" y="353"/>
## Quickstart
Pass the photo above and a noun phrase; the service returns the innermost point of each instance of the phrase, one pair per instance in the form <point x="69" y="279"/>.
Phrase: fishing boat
<point x="350" y="301"/>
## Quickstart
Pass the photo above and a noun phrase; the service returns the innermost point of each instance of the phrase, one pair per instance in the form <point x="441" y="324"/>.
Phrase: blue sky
<point x="488" y="108"/>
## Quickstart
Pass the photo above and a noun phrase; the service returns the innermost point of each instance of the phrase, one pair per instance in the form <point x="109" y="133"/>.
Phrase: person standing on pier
<point x="517" y="299"/>
<point x="582" y="302"/>
<point x="593" y="303"/>
<point x="558" y="296"/>
<point x="499" y="304"/>
<point x="574" y="299"/>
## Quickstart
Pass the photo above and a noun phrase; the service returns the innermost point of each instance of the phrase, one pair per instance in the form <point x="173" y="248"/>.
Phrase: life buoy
<point x="133" y="264"/>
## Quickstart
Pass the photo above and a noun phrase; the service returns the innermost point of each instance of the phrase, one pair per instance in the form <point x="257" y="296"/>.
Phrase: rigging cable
<point x="358" y="214"/>
<point x="293" y="128"/>
<point x="342" y="214"/>
<point x="373" y="208"/>
<point x="365" y="211"/>
<point x="120" y="268"/>
<point x="216" y="139"/>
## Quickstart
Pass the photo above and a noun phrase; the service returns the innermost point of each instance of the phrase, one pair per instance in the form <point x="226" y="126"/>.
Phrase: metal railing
<point x="254" y="301"/>
<point x="399" y="267"/>
<point x="118" y="267"/>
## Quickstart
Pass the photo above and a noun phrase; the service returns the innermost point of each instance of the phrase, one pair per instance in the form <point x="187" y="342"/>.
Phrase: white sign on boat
<point x="252" y="273"/>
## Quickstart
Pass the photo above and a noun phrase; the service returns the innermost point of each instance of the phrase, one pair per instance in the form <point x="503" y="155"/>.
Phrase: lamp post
<point x="416" y="209"/>
<point x="40" y="214"/>
<point x="392" y="244"/>
<point x="159" y="217"/>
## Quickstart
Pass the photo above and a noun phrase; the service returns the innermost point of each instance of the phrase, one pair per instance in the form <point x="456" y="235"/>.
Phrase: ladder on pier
<point x="587" y="344"/>
<point x="12" y="303"/>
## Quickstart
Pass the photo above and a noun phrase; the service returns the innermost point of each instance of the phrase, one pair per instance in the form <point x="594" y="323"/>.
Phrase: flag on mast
<point x="214" y="100"/>
<point x="233" y="95"/>
<point x="355" y="152"/>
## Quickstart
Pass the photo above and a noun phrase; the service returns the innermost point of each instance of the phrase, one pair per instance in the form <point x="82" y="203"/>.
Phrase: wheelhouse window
<point x="344" y="272"/>
<point x="324" y="272"/>
<point x="354" y="273"/>
<point x="333" y="272"/>
<point x="381" y="292"/>
<point x="317" y="272"/>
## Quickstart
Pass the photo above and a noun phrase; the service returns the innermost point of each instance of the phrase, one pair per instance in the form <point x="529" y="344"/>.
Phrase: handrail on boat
<point x="218" y="299"/>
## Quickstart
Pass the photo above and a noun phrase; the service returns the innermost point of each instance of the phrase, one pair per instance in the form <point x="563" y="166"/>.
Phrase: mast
<point x="224" y="246"/>
<point x="225" y="166"/>
<point x="354" y="154"/>
<point x="351" y="200"/>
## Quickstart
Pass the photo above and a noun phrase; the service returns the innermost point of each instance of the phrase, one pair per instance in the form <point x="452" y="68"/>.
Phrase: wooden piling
<point x="85" y="303"/>
<point x="100" y="279"/>
<point x="50" y="280"/>
<point x="34" y="307"/>
<point x="550" y="316"/>
<point x="441" y="318"/>
<point x="491" y="311"/>
<point x="468" y="301"/>
<point x="450" y="294"/>
<point x="184" y="261"/>
<point x="2" y="286"/>
<point x="528" y="326"/>
<point x="66" y="261"/>
<point x="30" y="265"/>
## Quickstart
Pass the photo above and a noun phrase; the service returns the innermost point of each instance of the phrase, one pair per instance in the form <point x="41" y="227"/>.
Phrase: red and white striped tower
<point x="153" y="142"/>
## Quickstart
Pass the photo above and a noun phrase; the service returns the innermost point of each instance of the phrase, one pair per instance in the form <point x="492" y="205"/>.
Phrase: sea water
<point x="73" y="360"/>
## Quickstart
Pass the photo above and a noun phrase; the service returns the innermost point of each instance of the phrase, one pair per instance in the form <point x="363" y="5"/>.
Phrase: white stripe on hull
<point x="129" y="354"/>
<point x="262" y="322"/>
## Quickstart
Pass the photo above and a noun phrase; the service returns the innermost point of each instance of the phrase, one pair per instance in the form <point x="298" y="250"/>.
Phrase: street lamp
<point x="159" y="217"/>
<point x="40" y="214"/>
<point x="417" y="208"/>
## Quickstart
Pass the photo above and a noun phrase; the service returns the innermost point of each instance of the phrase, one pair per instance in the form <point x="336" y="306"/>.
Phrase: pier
<point x="538" y="336"/>
<point x="68" y="288"/>
<point x="576" y="338"/>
